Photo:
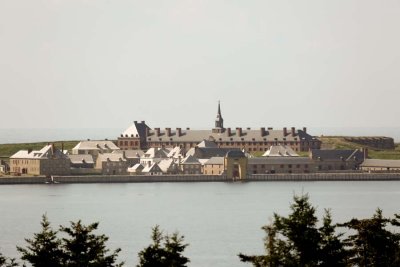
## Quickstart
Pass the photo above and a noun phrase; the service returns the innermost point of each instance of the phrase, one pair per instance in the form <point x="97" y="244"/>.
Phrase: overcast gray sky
<point x="96" y="63"/>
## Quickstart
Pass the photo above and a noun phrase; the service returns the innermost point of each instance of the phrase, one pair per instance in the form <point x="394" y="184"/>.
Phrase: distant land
<point x="8" y="136"/>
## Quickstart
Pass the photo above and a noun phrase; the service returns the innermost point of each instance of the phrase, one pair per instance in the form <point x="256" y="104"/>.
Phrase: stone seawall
<point x="326" y="177"/>
<point x="202" y="178"/>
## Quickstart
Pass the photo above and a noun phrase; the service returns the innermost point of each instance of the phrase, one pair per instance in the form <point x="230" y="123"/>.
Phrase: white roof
<point x="111" y="157"/>
<point x="280" y="151"/>
<point x="156" y="152"/>
<point x="131" y="131"/>
<point x="77" y="159"/>
<point x="176" y="152"/>
<point x="165" y="164"/>
<point x="136" y="167"/>
<point x="96" y="145"/>
<point x="44" y="153"/>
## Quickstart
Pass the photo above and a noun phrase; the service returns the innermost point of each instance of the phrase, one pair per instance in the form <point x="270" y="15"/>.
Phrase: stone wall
<point x="202" y="178"/>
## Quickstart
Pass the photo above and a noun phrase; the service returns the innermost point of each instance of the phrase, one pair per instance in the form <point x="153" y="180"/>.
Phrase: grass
<point x="338" y="142"/>
<point x="7" y="150"/>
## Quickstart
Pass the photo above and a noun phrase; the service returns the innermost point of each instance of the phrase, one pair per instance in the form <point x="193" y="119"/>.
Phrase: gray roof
<point x="153" y="168"/>
<point x="235" y="154"/>
<point x="190" y="160"/>
<point x="280" y="160"/>
<point x="247" y="135"/>
<point x="337" y="154"/>
<point x="209" y="152"/>
<point x="207" y="143"/>
<point x="215" y="161"/>
<point x="381" y="163"/>
<point x="156" y="152"/>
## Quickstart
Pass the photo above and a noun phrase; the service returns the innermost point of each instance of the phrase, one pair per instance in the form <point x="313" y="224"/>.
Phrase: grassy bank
<point x="7" y="150"/>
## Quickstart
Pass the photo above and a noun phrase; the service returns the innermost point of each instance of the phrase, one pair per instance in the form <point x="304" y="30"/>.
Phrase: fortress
<point x="140" y="136"/>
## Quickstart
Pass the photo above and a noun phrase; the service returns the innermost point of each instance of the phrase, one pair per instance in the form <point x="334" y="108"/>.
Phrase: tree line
<point x="297" y="240"/>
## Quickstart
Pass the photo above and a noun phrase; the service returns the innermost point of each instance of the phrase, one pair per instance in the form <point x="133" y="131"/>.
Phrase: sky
<point x="105" y="64"/>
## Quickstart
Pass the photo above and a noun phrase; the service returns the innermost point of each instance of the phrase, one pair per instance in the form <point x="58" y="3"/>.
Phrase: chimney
<point x="134" y="122"/>
<point x="29" y="150"/>
<point x="293" y="131"/>
<point x="239" y="131"/>
<point x="157" y="130"/>
<point x="228" y="131"/>
<point x="62" y="147"/>
<point x="285" y="131"/>
<point x="178" y="132"/>
<point x="143" y="122"/>
<point x="187" y="128"/>
<point x="365" y="152"/>
<point x="305" y="129"/>
<point x="168" y="131"/>
<point x="262" y="131"/>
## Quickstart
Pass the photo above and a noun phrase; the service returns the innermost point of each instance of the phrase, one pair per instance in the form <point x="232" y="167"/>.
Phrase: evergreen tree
<point x="85" y="249"/>
<point x="5" y="262"/>
<point x="44" y="250"/>
<point x="165" y="251"/>
<point x="332" y="251"/>
<point x="372" y="244"/>
<point x="296" y="241"/>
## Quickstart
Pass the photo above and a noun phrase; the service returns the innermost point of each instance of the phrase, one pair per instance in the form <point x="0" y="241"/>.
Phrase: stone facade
<point x="236" y="164"/>
<point x="214" y="166"/>
<point x="47" y="161"/>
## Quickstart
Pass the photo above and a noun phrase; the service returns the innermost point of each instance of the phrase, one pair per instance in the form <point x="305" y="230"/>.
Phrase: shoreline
<point x="199" y="178"/>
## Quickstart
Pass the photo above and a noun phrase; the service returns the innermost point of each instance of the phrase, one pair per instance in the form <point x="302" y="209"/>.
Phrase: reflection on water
<point x="219" y="220"/>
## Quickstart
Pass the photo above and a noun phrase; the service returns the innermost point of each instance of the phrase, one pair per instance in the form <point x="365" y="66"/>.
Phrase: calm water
<point x="219" y="220"/>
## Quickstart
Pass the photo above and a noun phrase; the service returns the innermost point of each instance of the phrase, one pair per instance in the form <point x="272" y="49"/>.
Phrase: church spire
<point x="219" y="121"/>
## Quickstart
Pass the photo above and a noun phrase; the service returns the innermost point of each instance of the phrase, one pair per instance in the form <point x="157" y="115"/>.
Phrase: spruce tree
<point x="6" y="262"/>
<point x="295" y="240"/>
<point x="44" y="250"/>
<point x="85" y="249"/>
<point x="165" y="251"/>
<point x="372" y="244"/>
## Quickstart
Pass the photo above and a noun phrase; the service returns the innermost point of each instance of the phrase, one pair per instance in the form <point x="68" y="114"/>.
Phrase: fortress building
<point x="141" y="136"/>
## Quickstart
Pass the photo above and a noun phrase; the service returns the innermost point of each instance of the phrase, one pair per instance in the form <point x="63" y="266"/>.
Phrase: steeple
<point x="219" y="121"/>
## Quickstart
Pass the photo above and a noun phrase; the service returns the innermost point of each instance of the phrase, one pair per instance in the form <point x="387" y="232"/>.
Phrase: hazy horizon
<point x="103" y="64"/>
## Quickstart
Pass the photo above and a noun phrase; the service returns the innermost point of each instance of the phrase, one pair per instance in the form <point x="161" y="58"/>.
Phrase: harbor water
<point x="218" y="220"/>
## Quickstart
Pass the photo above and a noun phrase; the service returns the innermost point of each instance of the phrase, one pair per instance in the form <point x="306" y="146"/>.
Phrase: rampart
<point x="379" y="142"/>
<point x="201" y="178"/>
